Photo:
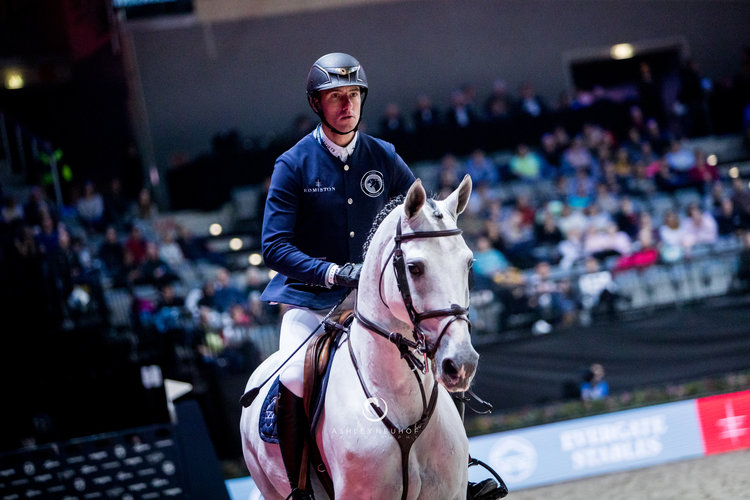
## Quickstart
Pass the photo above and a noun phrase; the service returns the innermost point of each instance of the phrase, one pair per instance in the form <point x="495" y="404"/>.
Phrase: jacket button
<point x="351" y="235"/>
<point x="350" y="201"/>
<point x="346" y="168"/>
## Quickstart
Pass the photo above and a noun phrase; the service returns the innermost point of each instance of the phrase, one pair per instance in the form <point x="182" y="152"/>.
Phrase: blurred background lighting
<point x="255" y="259"/>
<point x="215" y="229"/>
<point x="734" y="172"/>
<point x="712" y="160"/>
<point x="13" y="80"/>
<point x="621" y="51"/>
<point x="235" y="244"/>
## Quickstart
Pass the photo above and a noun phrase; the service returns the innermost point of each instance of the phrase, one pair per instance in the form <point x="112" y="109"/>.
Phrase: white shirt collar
<point x="340" y="152"/>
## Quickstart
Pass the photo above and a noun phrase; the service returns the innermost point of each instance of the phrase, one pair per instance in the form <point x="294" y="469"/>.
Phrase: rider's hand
<point x="347" y="275"/>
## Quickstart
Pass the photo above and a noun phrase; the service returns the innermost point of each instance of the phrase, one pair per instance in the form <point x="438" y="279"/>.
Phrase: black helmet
<point x="335" y="70"/>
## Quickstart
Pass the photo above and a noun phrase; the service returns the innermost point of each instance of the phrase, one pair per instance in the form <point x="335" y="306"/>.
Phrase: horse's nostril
<point x="450" y="369"/>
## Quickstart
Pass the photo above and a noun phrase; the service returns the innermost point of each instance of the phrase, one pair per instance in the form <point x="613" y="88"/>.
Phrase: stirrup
<point x="489" y="489"/>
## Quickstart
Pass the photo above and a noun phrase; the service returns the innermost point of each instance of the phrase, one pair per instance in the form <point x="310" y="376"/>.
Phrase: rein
<point x="407" y="436"/>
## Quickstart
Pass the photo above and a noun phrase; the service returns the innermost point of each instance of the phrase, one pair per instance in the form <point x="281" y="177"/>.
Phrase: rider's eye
<point x="415" y="268"/>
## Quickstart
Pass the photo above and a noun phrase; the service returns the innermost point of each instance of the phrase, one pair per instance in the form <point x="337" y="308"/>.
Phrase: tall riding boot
<point x="293" y="430"/>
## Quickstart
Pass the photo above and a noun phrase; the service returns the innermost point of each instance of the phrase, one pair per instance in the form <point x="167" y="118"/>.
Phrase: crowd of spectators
<point x="557" y="187"/>
<point x="185" y="311"/>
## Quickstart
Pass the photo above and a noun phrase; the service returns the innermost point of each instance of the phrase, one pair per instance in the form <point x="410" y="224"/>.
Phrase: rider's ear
<point x="458" y="199"/>
<point x="415" y="199"/>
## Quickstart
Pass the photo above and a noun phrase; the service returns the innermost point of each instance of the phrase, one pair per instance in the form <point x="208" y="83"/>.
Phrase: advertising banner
<point x="590" y="446"/>
<point x="725" y="422"/>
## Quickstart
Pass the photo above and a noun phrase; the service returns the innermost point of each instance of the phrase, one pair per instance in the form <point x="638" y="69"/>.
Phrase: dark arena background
<point x="610" y="222"/>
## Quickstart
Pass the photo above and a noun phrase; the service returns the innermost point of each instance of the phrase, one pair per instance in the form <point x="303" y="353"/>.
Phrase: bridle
<point x="407" y="436"/>
<point x="405" y="346"/>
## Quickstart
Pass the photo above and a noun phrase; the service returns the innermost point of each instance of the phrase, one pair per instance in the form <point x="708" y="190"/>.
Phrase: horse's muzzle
<point x="456" y="372"/>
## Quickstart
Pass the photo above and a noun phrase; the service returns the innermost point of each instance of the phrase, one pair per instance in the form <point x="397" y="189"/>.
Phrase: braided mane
<point x="387" y="209"/>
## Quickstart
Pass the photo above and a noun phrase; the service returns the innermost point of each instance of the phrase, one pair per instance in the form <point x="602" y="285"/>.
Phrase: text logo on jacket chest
<point x="372" y="183"/>
<point x="318" y="187"/>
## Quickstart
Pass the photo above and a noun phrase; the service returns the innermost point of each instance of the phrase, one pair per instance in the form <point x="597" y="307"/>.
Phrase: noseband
<point x="406" y="346"/>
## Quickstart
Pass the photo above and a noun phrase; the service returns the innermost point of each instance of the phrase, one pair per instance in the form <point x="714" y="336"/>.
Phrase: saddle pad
<point x="267" y="421"/>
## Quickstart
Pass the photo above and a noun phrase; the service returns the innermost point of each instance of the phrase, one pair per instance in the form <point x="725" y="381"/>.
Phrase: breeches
<point x="296" y="326"/>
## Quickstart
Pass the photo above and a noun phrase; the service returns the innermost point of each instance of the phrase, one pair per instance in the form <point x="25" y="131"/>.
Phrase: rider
<point x="324" y="194"/>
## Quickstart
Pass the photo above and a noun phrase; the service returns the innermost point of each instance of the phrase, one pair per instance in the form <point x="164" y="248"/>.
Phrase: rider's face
<point x="341" y="107"/>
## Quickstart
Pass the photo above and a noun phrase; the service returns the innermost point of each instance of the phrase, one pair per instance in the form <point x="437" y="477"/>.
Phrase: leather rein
<point x="407" y="436"/>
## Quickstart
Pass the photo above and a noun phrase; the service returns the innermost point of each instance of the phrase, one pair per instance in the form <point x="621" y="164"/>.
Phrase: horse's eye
<point x="415" y="268"/>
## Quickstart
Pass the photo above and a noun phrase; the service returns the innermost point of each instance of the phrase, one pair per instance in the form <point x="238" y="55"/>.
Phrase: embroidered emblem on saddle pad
<point x="267" y="421"/>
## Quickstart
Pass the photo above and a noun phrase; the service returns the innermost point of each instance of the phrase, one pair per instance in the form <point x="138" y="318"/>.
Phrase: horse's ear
<point x="415" y="199"/>
<point x="458" y="199"/>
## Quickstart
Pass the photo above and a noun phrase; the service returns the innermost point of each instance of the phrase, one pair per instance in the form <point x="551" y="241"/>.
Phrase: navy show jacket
<point x="319" y="211"/>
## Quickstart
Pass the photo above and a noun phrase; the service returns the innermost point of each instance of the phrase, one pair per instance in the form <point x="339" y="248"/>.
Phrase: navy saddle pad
<point x="267" y="420"/>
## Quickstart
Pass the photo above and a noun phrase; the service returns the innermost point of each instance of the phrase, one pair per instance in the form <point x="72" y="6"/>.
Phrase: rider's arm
<point x="280" y="216"/>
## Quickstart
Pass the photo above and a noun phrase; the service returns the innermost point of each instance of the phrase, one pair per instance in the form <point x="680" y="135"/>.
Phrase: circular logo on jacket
<point x="372" y="183"/>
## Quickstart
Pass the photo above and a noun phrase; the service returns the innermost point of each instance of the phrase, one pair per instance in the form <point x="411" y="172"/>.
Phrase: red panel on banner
<point x="725" y="422"/>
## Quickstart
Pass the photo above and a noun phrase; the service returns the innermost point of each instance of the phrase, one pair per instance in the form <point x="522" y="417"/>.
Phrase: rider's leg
<point x="292" y="423"/>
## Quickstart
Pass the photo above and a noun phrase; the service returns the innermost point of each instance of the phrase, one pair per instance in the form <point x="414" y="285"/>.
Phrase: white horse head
<point x="437" y="263"/>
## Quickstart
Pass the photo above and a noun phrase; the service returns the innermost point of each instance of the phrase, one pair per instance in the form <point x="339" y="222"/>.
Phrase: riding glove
<point x="347" y="275"/>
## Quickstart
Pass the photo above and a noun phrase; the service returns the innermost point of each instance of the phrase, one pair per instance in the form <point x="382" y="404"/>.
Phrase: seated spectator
<point x="48" y="237"/>
<point x="627" y="218"/>
<point x="144" y="208"/>
<point x="551" y="155"/>
<point x="448" y="177"/>
<point x="392" y="124"/>
<point x="226" y="294"/>
<point x="741" y="198"/>
<point x="665" y="179"/>
<point x="622" y="165"/>
<point x="136" y="245"/>
<point x="680" y="160"/>
<point x="153" y="270"/>
<point x="659" y="140"/>
<point x="702" y="175"/>
<point x="111" y="254"/>
<point x="645" y="255"/>
<point x="488" y="261"/>
<point x="605" y="240"/>
<point x="672" y="240"/>
<point x="571" y="248"/>
<point x="525" y="164"/>
<point x="700" y="227"/>
<point x="597" y="290"/>
<point x="550" y="298"/>
<point x="481" y="169"/>
<point x="171" y="252"/>
<point x="12" y="212"/>
<point x="728" y="220"/>
<point x="90" y="208"/>
<point x="36" y="207"/>
<point x="116" y="204"/>
<point x="594" y="386"/>
<point x="743" y="264"/>
<point x="546" y="232"/>
<point x="577" y="157"/>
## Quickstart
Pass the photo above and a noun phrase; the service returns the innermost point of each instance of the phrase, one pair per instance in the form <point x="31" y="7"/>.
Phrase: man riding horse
<point x="324" y="194"/>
